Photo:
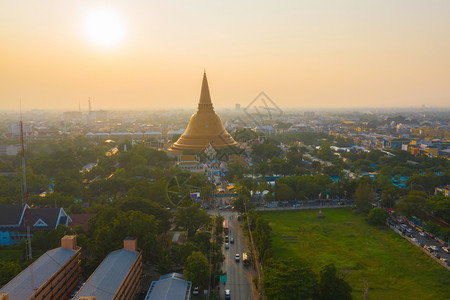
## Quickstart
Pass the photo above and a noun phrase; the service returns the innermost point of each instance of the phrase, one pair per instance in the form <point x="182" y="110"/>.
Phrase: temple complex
<point x="205" y="127"/>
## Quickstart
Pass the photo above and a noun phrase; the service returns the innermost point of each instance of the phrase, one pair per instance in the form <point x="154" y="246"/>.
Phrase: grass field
<point x="393" y="268"/>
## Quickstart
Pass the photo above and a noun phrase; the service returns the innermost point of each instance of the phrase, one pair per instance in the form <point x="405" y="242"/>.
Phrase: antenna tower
<point x="25" y="201"/>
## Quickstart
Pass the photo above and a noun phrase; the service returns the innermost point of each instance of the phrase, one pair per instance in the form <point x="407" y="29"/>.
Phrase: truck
<point x="245" y="259"/>
<point x="225" y="227"/>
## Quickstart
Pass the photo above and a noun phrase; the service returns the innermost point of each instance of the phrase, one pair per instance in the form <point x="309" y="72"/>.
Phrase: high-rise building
<point x="205" y="127"/>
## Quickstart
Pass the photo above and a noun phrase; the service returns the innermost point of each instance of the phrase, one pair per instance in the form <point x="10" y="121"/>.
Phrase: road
<point x="239" y="278"/>
<point x="425" y="240"/>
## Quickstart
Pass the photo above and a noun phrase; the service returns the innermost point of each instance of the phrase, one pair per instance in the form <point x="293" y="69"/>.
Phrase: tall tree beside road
<point x="440" y="206"/>
<point x="377" y="216"/>
<point x="197" y="269"/>
<point x="388" y="196"/>
<point x="289" y="279"/>
<point x="331" y="286"/>
<point x="191" y="218"/>
<point x="413" y="204"/>
<point x="364" y="196"/>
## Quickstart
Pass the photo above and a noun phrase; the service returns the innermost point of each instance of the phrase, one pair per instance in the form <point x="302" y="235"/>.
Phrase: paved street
<point x="423" y="240"/>
<point x="239" y="278"/>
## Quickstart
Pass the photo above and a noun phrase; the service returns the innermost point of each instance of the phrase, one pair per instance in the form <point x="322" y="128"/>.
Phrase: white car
<point x="237" y="257"/>
<point x="196" y="291"/>
<point x="434" y="248"/>
<point x="446" y="249"/>
<point x="422" y="233"/>
<point x="227" y="294"/>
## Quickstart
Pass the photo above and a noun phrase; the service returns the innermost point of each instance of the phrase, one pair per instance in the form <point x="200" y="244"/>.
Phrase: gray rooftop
<point x="108" y="276"/>
<point x="170" y="287"/>
<point x="43" y="268"/>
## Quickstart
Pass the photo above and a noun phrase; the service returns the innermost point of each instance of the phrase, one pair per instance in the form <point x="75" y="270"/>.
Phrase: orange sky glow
<point x="151" y="54"/>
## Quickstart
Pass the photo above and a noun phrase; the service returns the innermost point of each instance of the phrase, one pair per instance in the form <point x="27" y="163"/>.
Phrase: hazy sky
<point x="151" y="54"/>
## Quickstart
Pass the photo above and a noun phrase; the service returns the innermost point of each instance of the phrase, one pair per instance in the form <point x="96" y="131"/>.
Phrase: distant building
<point x="172" y="286"/>
<point x="238" y="107"/>
<point x="117" y="277"/>
<point x="189" y="163"/>
<point x="15" y="130"/>
<point x="309" y="114"/>
<point x="72" y="116"/>
<point x="268" y="129"/>
<point x="98" y="115"/>
<point x="173" y="133"/>
<point x="52" y="276"/>
<point x="239" y="159"/>
<point x="10" y="150"/>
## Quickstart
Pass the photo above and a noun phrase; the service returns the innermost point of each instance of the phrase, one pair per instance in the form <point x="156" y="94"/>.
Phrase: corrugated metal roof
<point x="170" y="287"/>
<point x="43" y="268"/>
<point x="108" y="276"/>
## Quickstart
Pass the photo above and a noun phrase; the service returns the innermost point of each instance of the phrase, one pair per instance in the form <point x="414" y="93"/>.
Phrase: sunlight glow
<point x="104" y="27"/>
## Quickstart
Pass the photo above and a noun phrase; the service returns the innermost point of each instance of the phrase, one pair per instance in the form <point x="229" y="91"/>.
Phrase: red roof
<point x="80" y="219"/>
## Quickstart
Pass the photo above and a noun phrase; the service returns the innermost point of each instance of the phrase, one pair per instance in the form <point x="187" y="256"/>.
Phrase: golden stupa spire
<point x="205" y="127"/>
<point x="205" y="98"/>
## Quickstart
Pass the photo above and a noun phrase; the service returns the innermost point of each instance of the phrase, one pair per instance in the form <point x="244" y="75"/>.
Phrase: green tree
<point x="191" y="218"/>
<point x="440" y="206"/>
<point x="413" y="204"/>
<point x="8" y="270"/>
<point x="283" y="192"/>
<point x="377" y="216"/>
<point x="109" y="228"/>
<point x="289" y="279"/>
<point x="331" y="286"/>
<point x="148" y="207"/>
<point x="388" y="196"/>
<point x="364" y="196"/>
<point x="197" y="269"/>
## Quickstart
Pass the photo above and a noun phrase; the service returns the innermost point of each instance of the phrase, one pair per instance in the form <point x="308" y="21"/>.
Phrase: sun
<point x="104" y="27"/>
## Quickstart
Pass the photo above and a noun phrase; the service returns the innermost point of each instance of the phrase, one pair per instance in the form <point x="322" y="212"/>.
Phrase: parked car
<point x="227" y="246"/>
<point x="434" y="248"/>
<point x="444" y="260"/>
<point x="227" y="294"/>
<point x="446" y="249"/>
<point x="226" y="238"/>
<point x="196" y="291"/>
<point x="237" y="257"/>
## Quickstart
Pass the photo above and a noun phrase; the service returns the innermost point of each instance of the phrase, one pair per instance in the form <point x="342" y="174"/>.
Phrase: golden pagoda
<point x="205" y="127"/>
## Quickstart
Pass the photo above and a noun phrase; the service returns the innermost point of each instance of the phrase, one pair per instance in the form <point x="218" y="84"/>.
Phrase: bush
<point x="377" y="216"/>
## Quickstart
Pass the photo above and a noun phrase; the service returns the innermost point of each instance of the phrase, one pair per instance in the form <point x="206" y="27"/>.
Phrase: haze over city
<point x="148" y="54"/>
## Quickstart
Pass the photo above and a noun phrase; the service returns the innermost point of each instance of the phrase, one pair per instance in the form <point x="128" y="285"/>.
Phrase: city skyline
<point x="152" y="55"/>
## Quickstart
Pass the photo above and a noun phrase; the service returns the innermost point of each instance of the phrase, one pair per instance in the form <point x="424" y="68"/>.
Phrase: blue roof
<point x="172" y="286"/>
<point x="108" y="276"/>
<point x="43" y="268"/>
